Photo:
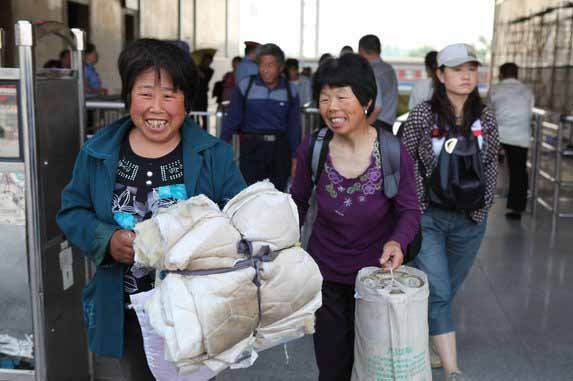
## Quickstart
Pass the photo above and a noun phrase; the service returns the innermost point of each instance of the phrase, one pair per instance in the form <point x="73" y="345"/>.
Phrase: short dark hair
<point x="509" y="70"/>
<point x="249" y="48"/>
<point x="271" y="50"/>
<point x="52" y="64"/>
<point x="291" y="62"/>
<point x="90" y="48"/>
<point x="370" y="44"/>
<point x="237" y="59"/>
<point x="324" y="57"/>
<point x="64" y="53"/>
<point x="348" y="70"/>
<point x="346" y="49"/>
<point x="431" y="61"/>
<point x="148" y="53"/>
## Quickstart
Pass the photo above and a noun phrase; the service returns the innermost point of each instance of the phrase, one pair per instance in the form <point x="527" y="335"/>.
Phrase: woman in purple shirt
<point x="356" y="225"/>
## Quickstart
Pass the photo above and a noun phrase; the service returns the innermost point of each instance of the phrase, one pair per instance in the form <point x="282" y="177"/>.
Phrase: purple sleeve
<point x="234" y="116"/>
<point x="301" y="188"/>
<point x="406" y="203"/>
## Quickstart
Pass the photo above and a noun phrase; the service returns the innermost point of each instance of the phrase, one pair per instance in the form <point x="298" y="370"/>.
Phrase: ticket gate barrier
<point x="42" y="125"/>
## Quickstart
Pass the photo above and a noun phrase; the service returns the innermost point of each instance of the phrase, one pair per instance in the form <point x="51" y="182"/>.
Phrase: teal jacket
<point x="87" y="221"/>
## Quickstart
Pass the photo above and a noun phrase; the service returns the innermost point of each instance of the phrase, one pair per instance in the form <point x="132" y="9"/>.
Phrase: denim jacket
<point x="87" y="221"/>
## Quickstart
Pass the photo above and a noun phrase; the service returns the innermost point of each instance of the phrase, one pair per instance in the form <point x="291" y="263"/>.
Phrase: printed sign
<point x="12" y="197"/>
<point x="67" y="267"/>
<point x="9" y="139"/>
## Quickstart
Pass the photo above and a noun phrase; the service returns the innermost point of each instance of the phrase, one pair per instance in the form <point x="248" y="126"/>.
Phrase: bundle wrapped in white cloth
<point x="236" y="281"/>
<point x="265" y="216"/>
<point x="191" y="235"/>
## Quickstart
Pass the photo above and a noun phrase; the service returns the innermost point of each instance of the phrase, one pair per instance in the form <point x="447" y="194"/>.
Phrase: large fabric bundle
<point x="191" y="235"/>
<point x="234" y="282"/>
<point x="265" y="216"/>
<point x="391" y="326"/>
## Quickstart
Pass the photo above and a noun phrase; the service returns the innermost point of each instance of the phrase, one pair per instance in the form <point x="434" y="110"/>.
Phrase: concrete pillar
<point x="211" y="25"/>
<point x="159" y="19"/>
<point x="188" y="22"/>
<point x="106" y="19"/>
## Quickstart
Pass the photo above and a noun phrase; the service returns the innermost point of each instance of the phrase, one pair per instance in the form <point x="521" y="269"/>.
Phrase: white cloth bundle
<point x="187" y="236"/>
<point x="213" y="319"/>
<point x="265" y="216"/>
<point x="203" y="316"/>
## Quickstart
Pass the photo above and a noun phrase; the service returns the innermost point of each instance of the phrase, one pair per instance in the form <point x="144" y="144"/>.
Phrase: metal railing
<point x="548" y="151"/>
<point x="104" y="112"/>
<point x="310" y="120"/>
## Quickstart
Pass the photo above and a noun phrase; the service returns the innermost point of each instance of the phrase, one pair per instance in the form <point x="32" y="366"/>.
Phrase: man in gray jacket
<point x="512" y="102"/>
<point x="386" y="103"/>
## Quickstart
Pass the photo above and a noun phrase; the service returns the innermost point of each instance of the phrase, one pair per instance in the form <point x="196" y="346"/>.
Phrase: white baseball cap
<point x="456" y="55"/>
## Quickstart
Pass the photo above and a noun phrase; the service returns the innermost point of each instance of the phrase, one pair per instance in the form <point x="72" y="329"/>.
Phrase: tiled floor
<point x="514" y="312"/>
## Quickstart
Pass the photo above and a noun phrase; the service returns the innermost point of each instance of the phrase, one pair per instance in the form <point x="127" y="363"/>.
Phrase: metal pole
<point x="316" y="49"/>
<point x="557" y="175"/>
<point x="301" y="42"/>
<point x="226" y="28"/>
<point x="179" y="19"/>
<point x="494" y="39"/>
<point x="535" y="164"/>
<point x="78" y="66"/>
<point x="568" y="68"/>
<point x="554" y="67"/>
<point x="2" y="46"/>
<point x="218" y="123"/>
<point x="24" y="42"/>
<point x="194" y="47"/>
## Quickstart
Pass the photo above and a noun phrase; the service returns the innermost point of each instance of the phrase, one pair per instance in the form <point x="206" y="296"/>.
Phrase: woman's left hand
<point x="391" y="255"/>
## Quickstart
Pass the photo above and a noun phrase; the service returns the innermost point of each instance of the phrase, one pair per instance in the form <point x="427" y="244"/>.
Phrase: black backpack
<point x="390" y="153"/>
<point x="458" y="182"/>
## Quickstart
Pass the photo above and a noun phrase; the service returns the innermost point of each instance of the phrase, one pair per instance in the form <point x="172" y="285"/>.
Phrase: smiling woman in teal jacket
<point x="153" y="158"/>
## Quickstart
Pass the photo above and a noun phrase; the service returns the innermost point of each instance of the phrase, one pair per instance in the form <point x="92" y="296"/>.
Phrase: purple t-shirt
<point x="354" y="217"/>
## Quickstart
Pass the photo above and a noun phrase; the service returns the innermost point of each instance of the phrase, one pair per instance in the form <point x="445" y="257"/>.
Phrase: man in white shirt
<point x="512" y="102"/>
<point x="424" y="88"/>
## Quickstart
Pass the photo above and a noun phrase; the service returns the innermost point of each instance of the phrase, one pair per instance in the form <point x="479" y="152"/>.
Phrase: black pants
<point x="261" y="158"/>
<point x="334" y="336"/>
<point x="518" y="182"/>
<point x="134" y="363"/>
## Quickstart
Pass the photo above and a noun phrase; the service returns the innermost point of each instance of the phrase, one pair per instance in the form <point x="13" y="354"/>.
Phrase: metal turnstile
<point x="42" y="126"/>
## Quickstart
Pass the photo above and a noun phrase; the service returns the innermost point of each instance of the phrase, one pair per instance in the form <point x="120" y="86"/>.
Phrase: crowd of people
<point x="156" y="156"/>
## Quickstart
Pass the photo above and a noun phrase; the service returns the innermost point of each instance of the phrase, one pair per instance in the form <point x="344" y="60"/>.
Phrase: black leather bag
<point x="458" y="182"/>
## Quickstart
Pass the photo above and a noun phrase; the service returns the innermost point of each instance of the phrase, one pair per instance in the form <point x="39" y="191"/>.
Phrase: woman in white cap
<point x="453" y="141"/>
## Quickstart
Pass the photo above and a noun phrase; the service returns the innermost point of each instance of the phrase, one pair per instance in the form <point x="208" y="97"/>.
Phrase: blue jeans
<point x="451" y="242"/>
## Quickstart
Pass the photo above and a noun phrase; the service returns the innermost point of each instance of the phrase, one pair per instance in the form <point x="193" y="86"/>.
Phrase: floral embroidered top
<point x="354" y="217"/>
<point x="352" y="192"/>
